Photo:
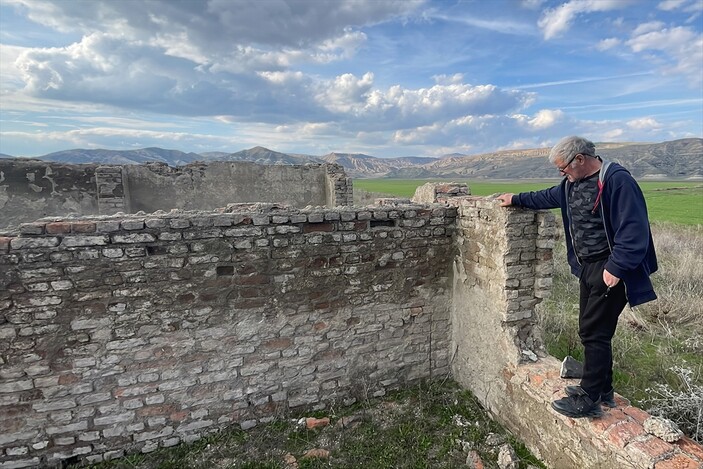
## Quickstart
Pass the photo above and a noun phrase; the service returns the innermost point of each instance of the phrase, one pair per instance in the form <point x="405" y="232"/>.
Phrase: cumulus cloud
<point x="677" y="50"/>
<point x="212" y="27"/>
<point x="556" y="21"/>
<point x="644" y="123"/>
<point x="203" y="58"/>
<point x="546" y="118"/>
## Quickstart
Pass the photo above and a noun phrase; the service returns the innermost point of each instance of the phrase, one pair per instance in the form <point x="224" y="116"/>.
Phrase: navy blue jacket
<point x="624" y="212"/>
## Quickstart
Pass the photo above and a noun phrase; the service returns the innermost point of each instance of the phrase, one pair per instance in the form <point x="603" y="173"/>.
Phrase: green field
<point x="667" y="201"/>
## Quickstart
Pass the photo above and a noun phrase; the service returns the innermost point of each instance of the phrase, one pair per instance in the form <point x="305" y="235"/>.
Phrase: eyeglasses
<point x="563" y="168"/>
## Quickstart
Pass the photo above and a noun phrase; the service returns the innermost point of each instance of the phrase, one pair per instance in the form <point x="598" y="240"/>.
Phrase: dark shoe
<point x="607" y="399"/>
<point x="578" y="405"/>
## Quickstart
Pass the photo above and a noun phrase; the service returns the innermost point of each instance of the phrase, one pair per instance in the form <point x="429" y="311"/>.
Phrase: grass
<point x="658" y="347"/>
<point x="654" y="341"/>
<point x="667" y="201"/>
<point x="430" y="425"/>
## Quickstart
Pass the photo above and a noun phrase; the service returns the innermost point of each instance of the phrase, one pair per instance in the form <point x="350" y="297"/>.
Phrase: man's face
<point x="570" y="167"/>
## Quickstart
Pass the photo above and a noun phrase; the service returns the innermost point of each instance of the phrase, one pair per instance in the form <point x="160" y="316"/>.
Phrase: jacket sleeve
<point x="544" y="199"/>
<point x="627" y="216"/>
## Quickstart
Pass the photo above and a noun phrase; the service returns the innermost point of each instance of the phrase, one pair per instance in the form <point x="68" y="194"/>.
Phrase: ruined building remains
<point x="126" y="333"/>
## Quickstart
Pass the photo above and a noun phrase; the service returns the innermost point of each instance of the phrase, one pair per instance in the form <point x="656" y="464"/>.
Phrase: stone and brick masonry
<point x="130" y="333"/>
<point x="127" y="333"/>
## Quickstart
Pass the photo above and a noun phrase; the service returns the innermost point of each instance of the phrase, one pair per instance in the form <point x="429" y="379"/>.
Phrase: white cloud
<point x="346" y="93"/>
<point x="679" y="50"/>
<point x="644" y="123"/>
<point x="609" y="43"/>
<point x="668" y="5"/>
<point x="614" y="134"/>
<point x="532" y="4"/>
<point x="10" y="76"/>
<point x="213" y="27"/>
<point x="546" y="118"/>
<point x="555" y="21"/>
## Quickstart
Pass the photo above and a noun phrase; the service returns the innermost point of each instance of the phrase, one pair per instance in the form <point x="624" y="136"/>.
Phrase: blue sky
<point x="381" y="77"/>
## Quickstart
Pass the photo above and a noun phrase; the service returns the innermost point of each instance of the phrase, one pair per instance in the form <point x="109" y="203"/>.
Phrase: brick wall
<point x="32" y="189"/>
<point x="123" y="334"/>
<point x="126" y="334"/>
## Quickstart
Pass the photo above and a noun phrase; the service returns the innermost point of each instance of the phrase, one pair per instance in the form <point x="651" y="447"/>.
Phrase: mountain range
<point x="673" y="159"/>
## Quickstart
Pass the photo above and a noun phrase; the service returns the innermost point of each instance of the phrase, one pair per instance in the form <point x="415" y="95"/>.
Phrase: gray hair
<point x="568" y="147"/>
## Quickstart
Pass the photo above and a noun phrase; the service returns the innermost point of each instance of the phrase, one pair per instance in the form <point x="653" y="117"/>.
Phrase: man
<point x="609" y="248"/>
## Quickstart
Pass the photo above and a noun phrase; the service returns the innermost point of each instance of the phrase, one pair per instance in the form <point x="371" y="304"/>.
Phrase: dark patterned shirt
<point x="587" y="230"/>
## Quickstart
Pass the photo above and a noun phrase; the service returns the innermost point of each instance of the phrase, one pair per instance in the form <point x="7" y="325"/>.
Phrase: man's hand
<point x="505" y="199"/>
<point x="609" y="279"/>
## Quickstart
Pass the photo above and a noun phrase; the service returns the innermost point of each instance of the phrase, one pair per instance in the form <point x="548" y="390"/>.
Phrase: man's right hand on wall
<point x="505" y="199"/>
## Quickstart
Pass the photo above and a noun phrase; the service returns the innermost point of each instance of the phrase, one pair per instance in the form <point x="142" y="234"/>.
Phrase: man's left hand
<point x="609" y="279"/>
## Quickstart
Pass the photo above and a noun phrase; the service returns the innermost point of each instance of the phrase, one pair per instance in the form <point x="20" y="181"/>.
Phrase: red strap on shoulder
<point x="600" y="192"/>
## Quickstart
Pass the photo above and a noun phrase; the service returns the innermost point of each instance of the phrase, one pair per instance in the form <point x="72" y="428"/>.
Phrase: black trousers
<point x="599" y="310"/>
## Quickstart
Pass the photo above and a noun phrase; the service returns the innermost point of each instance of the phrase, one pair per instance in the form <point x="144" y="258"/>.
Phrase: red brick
<point x="83" y="227"/>
<point x="312" y="227"/>
<point x="623" y="433"/>
<point x="69" y="378"/>
<point x="537" y="380"/>
<point x="652" y="449"/>
<point x="178" y="416"/>
<point x="5" y="244"/>
<point x="150" y="411"/>
<point x="608" y="419"/>
<point x="277" y="344"/>
<point x="679" y="461"/>
<point x="622" y="402"/>
<point x="312" y="422"/>
<point x="638" y="415"/>
<point x="473" y="460"/>
<point x="687" y="445"/>
<point x="58" y="227"/>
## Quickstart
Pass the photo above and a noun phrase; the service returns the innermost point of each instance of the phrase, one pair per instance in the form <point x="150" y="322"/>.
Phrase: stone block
<point x="33" y="243"/>
<point x="81" y="241"/>
<point x="133" y="238"/>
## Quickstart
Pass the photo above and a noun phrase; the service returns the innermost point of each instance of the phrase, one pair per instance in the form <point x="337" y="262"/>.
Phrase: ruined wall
<point x="32" y="189"/>
<point x="121" y="334"/>
<point x="126" y="334"/>
<point x="502" y="271"/>
<point x="203" y="186"/>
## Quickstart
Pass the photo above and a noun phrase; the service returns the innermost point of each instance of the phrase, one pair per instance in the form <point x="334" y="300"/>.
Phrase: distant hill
<point x="78" y="156"/>
<point x="674" y="159"/>
<point x="263" y="155"/>
<point x="360" y="165"/>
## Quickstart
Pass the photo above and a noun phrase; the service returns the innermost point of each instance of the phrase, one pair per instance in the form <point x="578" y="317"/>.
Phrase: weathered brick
<point x="83" y="227"/>
<point x="82" y="241"/>
<point x="133" y="238"/>
<point x="70" y="428"/>
<point x="5" y="244"/>
<point x="113" y="419"/>
<point x="32" y="228"/>
<point x="16" y="386"/>
<point x="33" y="243"/>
